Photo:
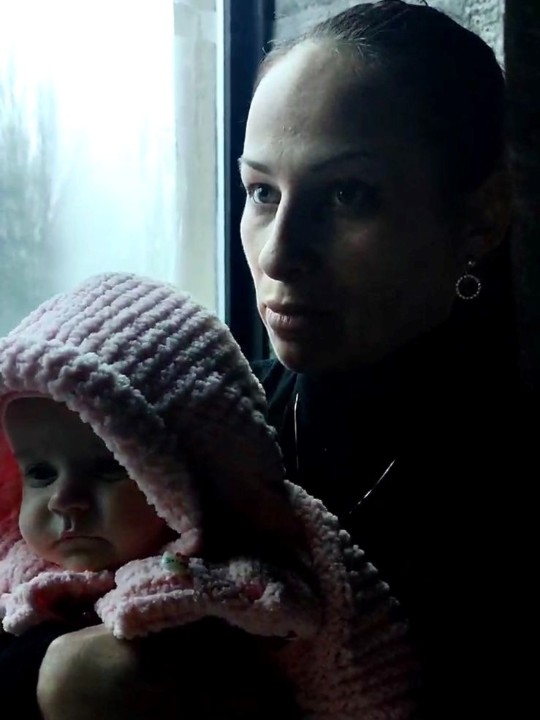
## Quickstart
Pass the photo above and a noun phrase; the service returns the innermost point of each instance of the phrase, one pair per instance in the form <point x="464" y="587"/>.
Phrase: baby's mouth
<point x="73" y="536"/>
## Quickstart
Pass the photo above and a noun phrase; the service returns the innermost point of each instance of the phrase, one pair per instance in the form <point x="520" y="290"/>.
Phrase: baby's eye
<point x="262" y="194"/>
<point x="40" y="474"/>
<point x="110" y="470"/>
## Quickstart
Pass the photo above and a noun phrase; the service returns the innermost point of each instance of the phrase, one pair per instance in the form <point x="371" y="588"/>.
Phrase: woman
<point x="377" y="191"/>
<point x="378" y="201"/>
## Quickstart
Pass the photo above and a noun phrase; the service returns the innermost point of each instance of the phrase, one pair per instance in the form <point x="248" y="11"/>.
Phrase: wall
<point x="486" y="17"/>
<point x="522" y="48"/>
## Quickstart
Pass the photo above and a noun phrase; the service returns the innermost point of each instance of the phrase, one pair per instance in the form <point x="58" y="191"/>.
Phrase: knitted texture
<point x="162" y="382"/>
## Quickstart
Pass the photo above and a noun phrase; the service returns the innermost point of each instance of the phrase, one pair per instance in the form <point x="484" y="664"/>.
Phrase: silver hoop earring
<point x="468" y="286"/>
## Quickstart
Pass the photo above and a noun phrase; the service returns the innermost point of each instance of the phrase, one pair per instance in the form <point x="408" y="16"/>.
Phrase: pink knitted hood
<point x="162" y="382"/>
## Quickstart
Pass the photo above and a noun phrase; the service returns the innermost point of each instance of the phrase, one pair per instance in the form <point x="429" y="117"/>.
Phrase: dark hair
<point x="452" y="73"/>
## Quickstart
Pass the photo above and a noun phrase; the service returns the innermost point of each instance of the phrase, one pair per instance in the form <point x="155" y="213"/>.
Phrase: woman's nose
<point x="289" y="250"/>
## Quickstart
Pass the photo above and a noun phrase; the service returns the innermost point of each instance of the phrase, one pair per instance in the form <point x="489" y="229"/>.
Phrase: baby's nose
<point x="71" y="494"/>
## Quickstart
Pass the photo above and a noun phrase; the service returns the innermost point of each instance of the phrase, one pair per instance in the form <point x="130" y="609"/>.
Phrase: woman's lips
<point x="289" y="321"/>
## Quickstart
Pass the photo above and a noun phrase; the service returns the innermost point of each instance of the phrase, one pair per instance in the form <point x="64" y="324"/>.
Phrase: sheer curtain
<point x="197" y="33"/>
<point x="107" y="145"/>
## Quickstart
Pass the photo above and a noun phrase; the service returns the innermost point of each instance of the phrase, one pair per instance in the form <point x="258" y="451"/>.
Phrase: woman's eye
<point x="352" y="194"/>
<point x="40" y="474"/>
<point x="262" y="194"/>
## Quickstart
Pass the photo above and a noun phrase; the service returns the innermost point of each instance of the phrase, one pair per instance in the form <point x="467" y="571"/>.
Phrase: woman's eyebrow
<point x="315" y="165"/>
<point x="260" y="167"/>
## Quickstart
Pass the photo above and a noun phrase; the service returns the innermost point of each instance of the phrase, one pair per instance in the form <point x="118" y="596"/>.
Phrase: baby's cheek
<point x="33" y="524"/>
<point x="138" y="529"/>
<point x="27" y="517"/>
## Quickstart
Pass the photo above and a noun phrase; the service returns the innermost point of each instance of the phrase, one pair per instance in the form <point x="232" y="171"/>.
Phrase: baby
<point x="79" y="508"/>
<point x="141" y="487"/>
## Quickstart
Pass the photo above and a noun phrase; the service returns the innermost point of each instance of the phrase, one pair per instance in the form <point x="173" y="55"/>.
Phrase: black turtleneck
<point x="444" y="525"/>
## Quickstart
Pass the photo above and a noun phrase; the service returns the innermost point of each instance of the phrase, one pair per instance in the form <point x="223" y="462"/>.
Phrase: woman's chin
<point x="301" y="357"/>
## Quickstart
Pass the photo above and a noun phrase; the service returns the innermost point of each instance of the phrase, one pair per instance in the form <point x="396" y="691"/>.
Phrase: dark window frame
<point x="247" y="32"/>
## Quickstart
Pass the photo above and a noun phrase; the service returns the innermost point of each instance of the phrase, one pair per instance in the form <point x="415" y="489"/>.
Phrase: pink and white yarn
<point x="163" y="383"/>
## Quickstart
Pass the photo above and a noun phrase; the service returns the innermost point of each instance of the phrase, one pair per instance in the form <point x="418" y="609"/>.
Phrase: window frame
<point x="248" y="26"/>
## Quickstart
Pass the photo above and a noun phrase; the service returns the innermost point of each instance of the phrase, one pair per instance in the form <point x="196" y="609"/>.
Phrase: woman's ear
<point x="487" y="216"/>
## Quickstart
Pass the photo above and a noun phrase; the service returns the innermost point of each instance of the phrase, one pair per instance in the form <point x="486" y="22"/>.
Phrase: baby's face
<point x="79" y="508"/>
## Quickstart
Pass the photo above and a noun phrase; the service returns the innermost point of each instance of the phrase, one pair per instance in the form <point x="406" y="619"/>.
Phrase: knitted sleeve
<point x="344" y="648"/>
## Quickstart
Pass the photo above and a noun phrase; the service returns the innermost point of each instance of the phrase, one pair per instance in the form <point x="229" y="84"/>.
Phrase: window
<point x="108" y="137"/>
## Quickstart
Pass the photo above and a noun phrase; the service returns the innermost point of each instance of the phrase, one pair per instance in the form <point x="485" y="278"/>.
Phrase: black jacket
<point x="447" y="525"/>
<point x="20" y="660"/>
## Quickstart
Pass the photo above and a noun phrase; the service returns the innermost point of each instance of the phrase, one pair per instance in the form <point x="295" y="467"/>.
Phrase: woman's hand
<point x="203" y="671"/>
<point x="91" y="675"/>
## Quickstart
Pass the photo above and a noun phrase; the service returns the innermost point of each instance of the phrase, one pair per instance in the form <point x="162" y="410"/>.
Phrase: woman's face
<point x="343" y="228"/>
